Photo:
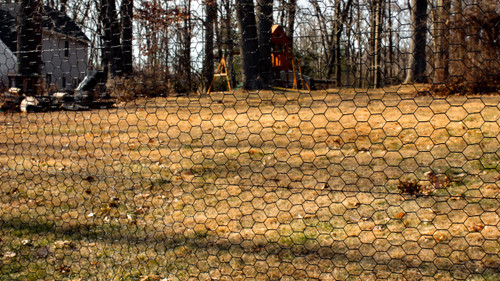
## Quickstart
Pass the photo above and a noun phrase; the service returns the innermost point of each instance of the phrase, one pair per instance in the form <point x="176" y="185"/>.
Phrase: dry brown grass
<point x="264" y="185"/>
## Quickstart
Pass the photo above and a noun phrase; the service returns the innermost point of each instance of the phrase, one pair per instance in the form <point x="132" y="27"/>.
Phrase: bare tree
<point x="211" y="15"/>
<point x="185" y="52"/>
<point x="441" y="18"/>
<point x="360" y="48"/>
<point x="390" y="35"/>
<point x="265" y="22"/>
<point x="286" y="17"/>
<point x="63" y="6"/>
<point x="348" y="49"/>
<point x="417" y="59"/>
<point x="29" y="42"/>
<point x="127" y="16"/>
<point x="249" y="42"/>
<point x="110" y="38"/>
<point x="457" y="40"/>
<point x="376" y="42"/>
<point x="291" y="11"/>
<point x="331" y="36"/>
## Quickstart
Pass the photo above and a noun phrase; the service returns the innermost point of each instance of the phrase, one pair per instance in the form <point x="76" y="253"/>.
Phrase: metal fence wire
<point x="250" y="140"/>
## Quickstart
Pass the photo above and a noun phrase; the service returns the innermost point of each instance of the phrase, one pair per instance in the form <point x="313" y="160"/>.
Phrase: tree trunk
<point x="326" y="40"/>
<point x="360" y="46"/>
<point x="64" y="6"/>
<point x="105" y="31"/>
<point x="371" y="43"/>
<point x="335" y="42"/>
<point x="229" y="41"/>
<point x="218" y="33"/>
<point x="186" y="48"/>
<point x="348" y="55"/>
<point x="127" y="15"/>
<point x="337" y="54"/>
<point x="458" y="45"/>
<point x="332" y="43"/>
<point x="400" y="58"/>
<point x="377" y="43"/>
<point x="282" y="12"/>
<point x="116" y="66"/>
<point x="290" y="28"/>
<point x="391" y="40"/>
<point x="441" y="33"/>
<point x="111" y="56"/>
<point x="417" y="60"/>
<point x="265" y="22"/>
<point x="249" y="43"/>
<point x="166" y="56"/>
<point x="208" y="64"/>
<point x="29" y="45"/>
<point x="29" y="38"/>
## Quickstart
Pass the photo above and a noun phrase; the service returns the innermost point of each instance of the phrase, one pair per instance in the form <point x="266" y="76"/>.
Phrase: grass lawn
<point x="268" y="185"/>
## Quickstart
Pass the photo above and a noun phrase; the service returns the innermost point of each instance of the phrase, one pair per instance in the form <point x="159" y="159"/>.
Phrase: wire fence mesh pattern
<point x="342" y="160"/>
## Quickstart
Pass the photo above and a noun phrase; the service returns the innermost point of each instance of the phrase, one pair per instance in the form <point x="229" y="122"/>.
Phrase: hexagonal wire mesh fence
<point x="207" y="140"/>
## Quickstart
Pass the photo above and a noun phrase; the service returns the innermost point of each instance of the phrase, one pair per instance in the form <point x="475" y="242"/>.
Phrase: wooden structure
<point x="283" y="63"/>
<point x="221" y="72"/>
<point x="303" y="82"/>
<point x="280" y="53"/>
<point x="283" y="60"/>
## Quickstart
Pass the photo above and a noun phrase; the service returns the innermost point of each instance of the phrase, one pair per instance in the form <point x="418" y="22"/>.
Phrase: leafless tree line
<point x="358" y="43"/>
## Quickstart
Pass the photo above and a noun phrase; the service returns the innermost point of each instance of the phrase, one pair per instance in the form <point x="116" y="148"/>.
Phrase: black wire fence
<point x="221" y="140"/>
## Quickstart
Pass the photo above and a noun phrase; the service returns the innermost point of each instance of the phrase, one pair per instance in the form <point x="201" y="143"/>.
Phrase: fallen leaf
<point x="400" y="215"/>
<point x="90" y="179"/>
<point x="476" y="227"/>
<point x="139" y="211"/>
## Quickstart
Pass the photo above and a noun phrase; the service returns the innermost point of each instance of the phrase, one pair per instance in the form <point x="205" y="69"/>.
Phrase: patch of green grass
<point x="325" y="227"/>
<point x="285" y="242"/>
<point x="298" y="238"/>
<point x="20" y="228"/>
<point x="490" y="161"/>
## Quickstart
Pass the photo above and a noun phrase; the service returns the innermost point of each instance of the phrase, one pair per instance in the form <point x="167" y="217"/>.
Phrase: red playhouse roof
<point x="278" y="35"/>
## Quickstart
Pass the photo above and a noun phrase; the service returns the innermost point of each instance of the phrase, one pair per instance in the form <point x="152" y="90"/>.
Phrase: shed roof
<point x="58" y="21"/>
<point x="52" y="20"/>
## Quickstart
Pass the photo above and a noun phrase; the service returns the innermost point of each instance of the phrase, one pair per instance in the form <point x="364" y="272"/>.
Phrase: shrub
<point x="142" y="84"/>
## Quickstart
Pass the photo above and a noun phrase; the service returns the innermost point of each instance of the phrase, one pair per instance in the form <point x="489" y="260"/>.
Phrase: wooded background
<point x="176" y="45"/>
